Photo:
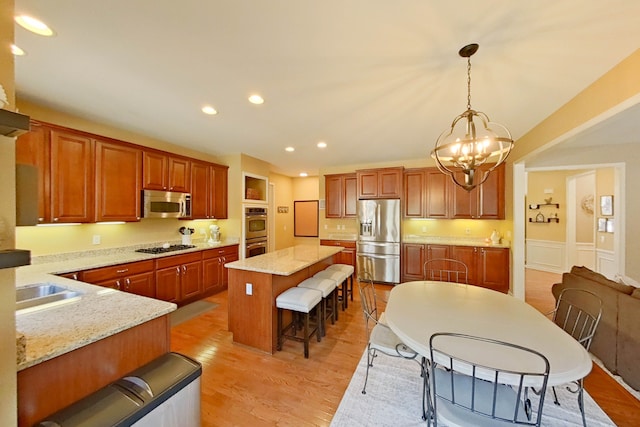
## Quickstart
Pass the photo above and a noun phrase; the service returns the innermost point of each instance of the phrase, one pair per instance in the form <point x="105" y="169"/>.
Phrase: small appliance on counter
<point x="214" y="234"/>
<point x="186" y="235"/>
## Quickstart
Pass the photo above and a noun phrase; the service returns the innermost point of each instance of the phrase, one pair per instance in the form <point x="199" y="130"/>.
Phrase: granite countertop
<point x="285" y="262"/>
<point x="100" y="312"/>
<point x="455" y="241"/>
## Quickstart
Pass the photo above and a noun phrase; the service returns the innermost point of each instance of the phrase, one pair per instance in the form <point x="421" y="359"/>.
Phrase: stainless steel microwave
<point x="166" y="204"/>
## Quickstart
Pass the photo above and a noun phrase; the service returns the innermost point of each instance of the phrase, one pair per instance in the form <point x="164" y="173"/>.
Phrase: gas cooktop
<point x="161" y="250"/>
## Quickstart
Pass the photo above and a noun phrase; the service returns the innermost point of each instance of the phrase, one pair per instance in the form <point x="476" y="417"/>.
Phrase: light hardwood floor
<point x="244" y="387"/>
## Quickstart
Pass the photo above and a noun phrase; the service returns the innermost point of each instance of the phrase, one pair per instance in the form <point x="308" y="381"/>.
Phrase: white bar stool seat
<point x="341" y="278"/>
<point x="328" y="289"/>
<point x="299" y="300"/>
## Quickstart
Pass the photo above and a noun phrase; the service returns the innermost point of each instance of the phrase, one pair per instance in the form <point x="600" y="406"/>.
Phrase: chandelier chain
<point x="469" y="83"/>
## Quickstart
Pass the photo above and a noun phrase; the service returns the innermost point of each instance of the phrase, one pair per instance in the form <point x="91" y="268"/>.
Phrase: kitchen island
<point x="255" y="283"/>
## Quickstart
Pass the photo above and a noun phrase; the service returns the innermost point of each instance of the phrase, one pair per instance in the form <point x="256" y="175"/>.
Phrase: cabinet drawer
<point x="347" y="244"/>
<point x="171" y="261"/>
<point x="221" y="251"/>
<point x="115" y="271"/>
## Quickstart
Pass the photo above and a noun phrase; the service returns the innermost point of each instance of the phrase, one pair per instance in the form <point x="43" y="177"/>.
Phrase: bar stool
<point x="341" y="278"/>
<point x="299" y="301"/>
<point x="328" y="289"/>
<point x="347" y="269"/>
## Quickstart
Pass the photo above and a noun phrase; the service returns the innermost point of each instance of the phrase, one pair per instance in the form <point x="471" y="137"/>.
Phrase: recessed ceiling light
<point x="34" y="25"/>
<point x="17" y="51"/>
<point x="290" y="149"/>
<point x="322" y="144"/>
<point x="303" y="174"/>
<point x="256" y="99"/>
<point x="208" y="109"/>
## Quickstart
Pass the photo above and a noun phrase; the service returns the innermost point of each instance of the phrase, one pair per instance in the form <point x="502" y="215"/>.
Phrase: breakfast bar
<point x="254" y="284"/>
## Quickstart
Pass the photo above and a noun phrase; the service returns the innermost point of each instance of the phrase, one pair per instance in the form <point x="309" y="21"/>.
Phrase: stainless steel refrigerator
<point x="378" y="246"/>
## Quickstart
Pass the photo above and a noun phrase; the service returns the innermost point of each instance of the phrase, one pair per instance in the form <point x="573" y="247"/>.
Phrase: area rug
<point x="394" y="397"/>
<point x="190" y="311"/>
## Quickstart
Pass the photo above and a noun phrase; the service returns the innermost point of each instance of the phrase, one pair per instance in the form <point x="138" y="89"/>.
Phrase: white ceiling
<point x="378" y="80"/>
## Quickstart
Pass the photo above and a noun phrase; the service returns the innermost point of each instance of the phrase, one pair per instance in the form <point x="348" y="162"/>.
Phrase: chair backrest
<point x="578" y="313"/>
<point x="369" y="301"/>
<point x="446" y="270"/>
<point x="465" y="392"/>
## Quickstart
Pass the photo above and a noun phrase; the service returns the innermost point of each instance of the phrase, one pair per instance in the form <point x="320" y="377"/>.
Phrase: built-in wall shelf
<point x="255" y="188"/>
<point x="541" y="205"/>
<point x="545" y="220"/>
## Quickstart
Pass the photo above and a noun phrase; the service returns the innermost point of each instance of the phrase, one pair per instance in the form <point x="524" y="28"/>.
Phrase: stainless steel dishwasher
<point x="163" y="393"/>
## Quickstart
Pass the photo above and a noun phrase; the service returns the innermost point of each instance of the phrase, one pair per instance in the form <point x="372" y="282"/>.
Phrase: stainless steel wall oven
<point x="255" y="227"/>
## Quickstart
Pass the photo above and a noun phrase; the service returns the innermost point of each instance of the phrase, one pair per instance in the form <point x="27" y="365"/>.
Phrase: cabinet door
<point x="390" y="183"/>
<point x="219" y="192"/>
<point x="212" y="274"/>
<point x="414" y="193"/>
<point x="168" y="284"/>
<point x="367" y="184"/>
<point x="333" y="195"/>
<point x="191" y="280"/>
<point x="493" y="268"/>
<point x="467" y="255"/>
<point x="491" y="195"/>
<point x="155" y="169"/>
<point x="179" y="174"/>
<point x="141" y="284"/>
<point x="115" y="283"/>
<point x="200" y="190"/>
<point x="32" y="148"/>
<point x="437" y="194"/>
<point x="350" y="190"/>
<point x="225" y="271"/>
<point x="463" y="203"/>
<point x="412" y="261"/>
<point x="118" y="182"/>
<point x="72" y="177"/>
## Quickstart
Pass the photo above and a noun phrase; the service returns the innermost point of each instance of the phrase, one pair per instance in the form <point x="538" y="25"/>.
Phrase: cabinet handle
<point x="55" y="219"/>
<point x="118" y="284"/>
<point x="177" y="271"/>
<point x="74" y="276"/>
<point x="124" y="270"/>
<point x="40" y="219"/>
<point x="127" y="282"/>
<point x="184" y="269"/>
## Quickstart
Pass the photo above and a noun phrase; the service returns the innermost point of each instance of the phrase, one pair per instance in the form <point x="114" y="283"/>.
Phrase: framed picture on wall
<point x="602" y="224"/>
<point x="606" y="205"/>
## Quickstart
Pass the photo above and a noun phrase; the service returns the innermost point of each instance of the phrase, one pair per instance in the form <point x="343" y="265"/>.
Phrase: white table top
<point x="417" y="310"/>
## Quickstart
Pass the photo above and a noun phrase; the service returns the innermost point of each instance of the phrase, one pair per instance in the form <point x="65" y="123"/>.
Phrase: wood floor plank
<point x="242" y="386"/>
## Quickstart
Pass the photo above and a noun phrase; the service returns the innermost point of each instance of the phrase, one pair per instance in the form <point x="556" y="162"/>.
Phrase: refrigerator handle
<point x="378" y="220"/>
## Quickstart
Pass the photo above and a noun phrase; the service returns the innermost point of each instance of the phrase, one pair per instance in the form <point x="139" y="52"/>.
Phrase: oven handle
<point x="256" y="216"/>
<point x="256" y="244"/>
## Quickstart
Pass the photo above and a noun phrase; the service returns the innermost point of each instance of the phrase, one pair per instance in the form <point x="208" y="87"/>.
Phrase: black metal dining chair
<point x="465" y="392"/>
<point x="446" y="270"/>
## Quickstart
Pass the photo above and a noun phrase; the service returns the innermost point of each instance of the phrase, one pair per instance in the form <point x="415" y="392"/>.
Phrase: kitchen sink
<point x="43" y="295"/>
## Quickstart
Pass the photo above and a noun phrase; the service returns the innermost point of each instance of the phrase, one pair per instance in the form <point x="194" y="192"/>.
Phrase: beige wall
<point x="8" y="399"/>
<point x="538" y="182"/>
<point x="614" y="88"/>
<point x="283" y="220"/>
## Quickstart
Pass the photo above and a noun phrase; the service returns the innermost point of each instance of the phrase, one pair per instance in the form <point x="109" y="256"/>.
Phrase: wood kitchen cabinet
<point x="165" y="172"/>
<point x="136" y="277"/>
<point x="215" y="276"/>
<point x="208" y="191"/>
<point x="348" y="254"/>
<point x="179" y="277"/>
<point x="118" y="169"/>
<point x="483" y="202"/>
<point x="64" y="159"/>
<point x="383" y="183"/>
<point x="340" y="195"/>
<point x="487" y="266"/>
<point x="428" y="193"/>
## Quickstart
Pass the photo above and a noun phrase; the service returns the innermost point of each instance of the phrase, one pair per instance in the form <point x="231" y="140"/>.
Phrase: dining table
<point x="417" y="310"/>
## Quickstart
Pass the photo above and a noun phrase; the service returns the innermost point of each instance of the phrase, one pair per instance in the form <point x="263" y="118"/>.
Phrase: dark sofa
<point x="617" y="339"/>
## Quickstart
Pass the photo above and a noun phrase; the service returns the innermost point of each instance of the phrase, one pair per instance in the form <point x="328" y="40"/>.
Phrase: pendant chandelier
<point x="471" y="142"/>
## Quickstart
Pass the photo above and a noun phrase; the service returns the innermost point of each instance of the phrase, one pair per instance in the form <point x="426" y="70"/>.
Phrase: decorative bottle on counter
<point x="495" y="237"/>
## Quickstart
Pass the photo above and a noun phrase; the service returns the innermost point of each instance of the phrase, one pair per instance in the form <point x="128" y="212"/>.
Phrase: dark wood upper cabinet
<point x="165" y="172"/>
<point x="340" y="195"/>
<point x="436" y="194"/>
<point x="72" y="177"/>
<point x="208" y="191"/>
<point x="118" y="181"/>
<point x="414" y="193"/>
<point x="218" y="201"/>
<point x="483" y="202"/>
<point x="383" y="183"/>
<point x="32" y="149"/>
